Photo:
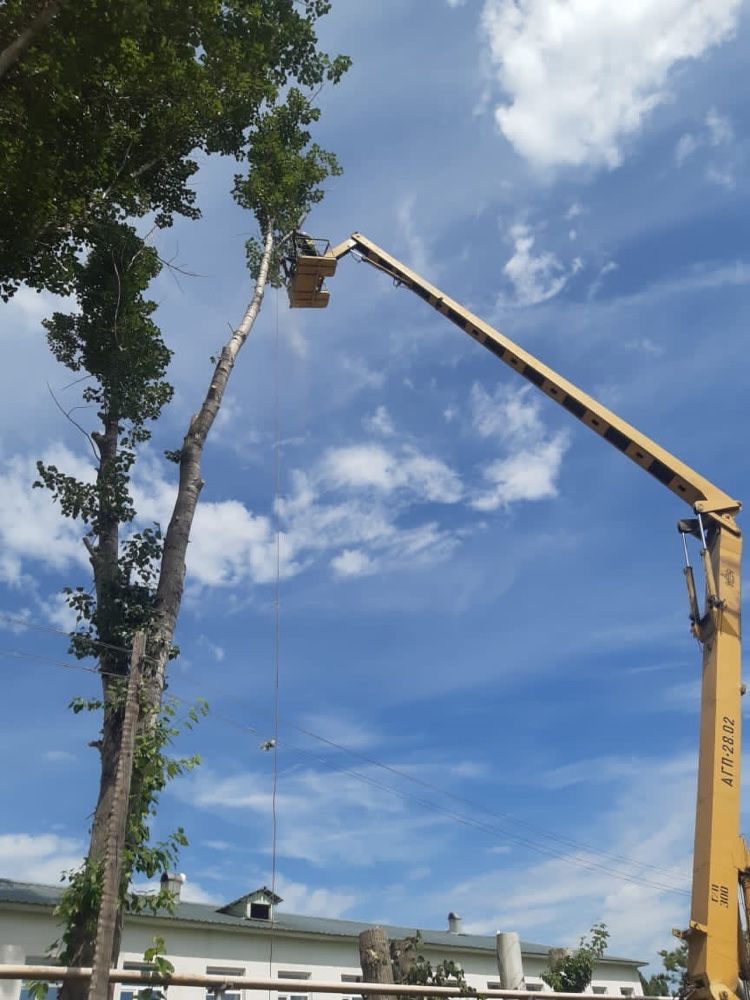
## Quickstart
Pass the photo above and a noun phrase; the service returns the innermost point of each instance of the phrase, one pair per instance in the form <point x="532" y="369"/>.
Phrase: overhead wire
<point x="276" y="627"/>
<point x="590" y="864"/>
<point x="509" y="817"/>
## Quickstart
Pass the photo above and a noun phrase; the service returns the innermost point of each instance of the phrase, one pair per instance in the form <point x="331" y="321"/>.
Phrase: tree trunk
<point x="13" y="52"/>
<point x="403" y="958"/>
<point x="167" y="604"/>
<point x="106" y="927"/>
<point x="375" y="956"/>
<point x="105" y="561"/>
<point x="104" y="558"/>
<point x="172" y="572"/>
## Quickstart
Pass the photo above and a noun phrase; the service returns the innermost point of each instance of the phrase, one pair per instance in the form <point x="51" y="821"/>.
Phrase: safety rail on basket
<point x="307" y="265"/>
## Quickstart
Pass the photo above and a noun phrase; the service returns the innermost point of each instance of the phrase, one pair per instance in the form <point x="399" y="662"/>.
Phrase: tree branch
<point x="13" y="52"/>
<point x="66" y="414"/>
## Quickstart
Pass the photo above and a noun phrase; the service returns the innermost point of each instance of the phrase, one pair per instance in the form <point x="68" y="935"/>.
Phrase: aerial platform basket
<point x="307" y="268"/>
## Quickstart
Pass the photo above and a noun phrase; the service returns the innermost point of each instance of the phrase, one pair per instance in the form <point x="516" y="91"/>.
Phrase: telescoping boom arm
<point x="717" y="947"/>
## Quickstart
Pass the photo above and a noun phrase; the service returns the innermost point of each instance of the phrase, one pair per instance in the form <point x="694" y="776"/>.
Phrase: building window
<point x="293" y="974"/>
<point x="534" y="986"/>
<point x="345" y="978"/>
<point x="601" y="990"/>
<point x="260" y="911"/>
<point x="231" y="972"/>
<point x="626" y="991"/>
<point x="129" y="992"/>
<point x="494" y="986"/>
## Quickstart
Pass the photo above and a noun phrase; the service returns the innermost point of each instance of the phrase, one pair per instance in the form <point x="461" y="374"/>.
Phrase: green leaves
<point x="571" y="972"/>
<point x="285" y="176"/>
<point x="155" y="955"/>
<point x="100" y="119"/>
<point x="421" y="972"/>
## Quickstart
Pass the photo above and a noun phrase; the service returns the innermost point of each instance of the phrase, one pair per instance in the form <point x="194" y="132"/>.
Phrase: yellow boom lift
<point x="717" y="945"/>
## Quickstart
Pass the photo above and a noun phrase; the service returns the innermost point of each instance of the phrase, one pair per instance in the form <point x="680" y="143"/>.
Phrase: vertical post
<point x="375" y="957"/>
<point x="509" y="960"/>
<point x="718" y="856"/>
<point x="11" y="954"/>
<point x="118" y="822"/>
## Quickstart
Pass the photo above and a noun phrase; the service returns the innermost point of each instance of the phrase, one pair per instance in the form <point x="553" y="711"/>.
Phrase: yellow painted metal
<point x="721" y="857"/>
<point x="685" y="482"/>
<point x="306" y="286"/>
<point x="719" y="854"/>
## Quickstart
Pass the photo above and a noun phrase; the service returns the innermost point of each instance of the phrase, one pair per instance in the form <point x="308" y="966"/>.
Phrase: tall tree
<point x="139" y="579"/>
<point x="103" y="104"/>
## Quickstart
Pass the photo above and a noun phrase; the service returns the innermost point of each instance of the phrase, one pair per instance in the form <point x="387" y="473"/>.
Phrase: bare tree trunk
<point x="13" y="52"/>
<point x="106" y="927"/>
<point x="403" y="958"/>
<point x="172" y="572"/>
<point x="375" y="956"/>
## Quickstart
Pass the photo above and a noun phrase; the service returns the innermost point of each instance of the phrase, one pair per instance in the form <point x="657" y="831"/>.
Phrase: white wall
<point x="192" y="948"/>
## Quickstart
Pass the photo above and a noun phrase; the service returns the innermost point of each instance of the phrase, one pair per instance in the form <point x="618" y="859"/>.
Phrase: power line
<point x="72" y="634"/>
<point x="276" y="627"/>
<point x="508" y="817"/>
<point x="493" y="830"/>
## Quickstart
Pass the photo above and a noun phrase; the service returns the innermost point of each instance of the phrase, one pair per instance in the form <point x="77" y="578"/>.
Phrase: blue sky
<point x="475" y="592"/>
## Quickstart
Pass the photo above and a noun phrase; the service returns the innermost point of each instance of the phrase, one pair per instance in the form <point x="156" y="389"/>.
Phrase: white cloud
<point x="686" y="146"/>
<point x="582" y="75"/>
<point x="358" y="375"/>
<point x="717" y="132"/>
<point x="379" y="422"/>
<point x="534" y="277"/>
<point x="322" y="815"/>
<point x="596" y="284"/>
<point x="582" y="885"/>
<point x="57" y="611"/>
<point x="217" y="652"/>
<point x="373" y="466"/>
<point x="341" y="728"/>
<point x="720" y="131"/>
<point x="28" y="308"/>
<point x="415" y="244"/>
<point x="38" y="857"/>
<point x="511" y="413"/>
<point x="646" y="346"/>
<point x="352" y="562"/>
<point x="721" y="175"/>
<point x="301" y="898"/>
<point x="30" y="523"/>
<point x="529" y="474"/>
<point x="530" y="469"/>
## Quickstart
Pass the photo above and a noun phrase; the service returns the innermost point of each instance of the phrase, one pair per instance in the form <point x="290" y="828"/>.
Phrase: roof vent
<point x="173" y="884"/>
<point x="454" y="923"/>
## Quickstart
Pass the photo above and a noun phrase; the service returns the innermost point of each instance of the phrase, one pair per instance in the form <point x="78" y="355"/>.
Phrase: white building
<point x="252" y="936"/>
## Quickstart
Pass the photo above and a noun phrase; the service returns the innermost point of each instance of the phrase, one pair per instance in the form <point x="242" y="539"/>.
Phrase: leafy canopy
<point x="113" y="339"/>
<point x="284" y="177"/>
<point x="104" y="114"/>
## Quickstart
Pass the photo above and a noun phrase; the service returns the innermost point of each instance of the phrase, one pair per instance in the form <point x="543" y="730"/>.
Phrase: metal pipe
<point x="52" y="973"/>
